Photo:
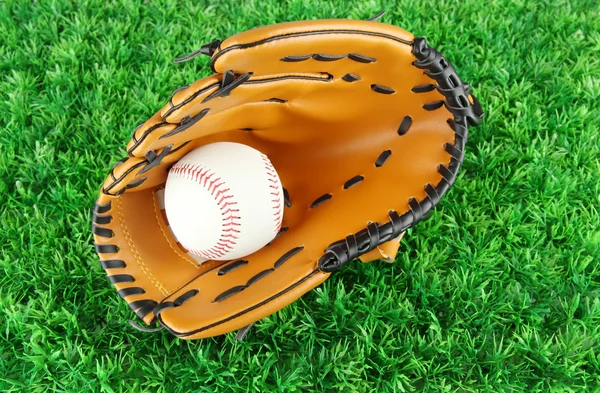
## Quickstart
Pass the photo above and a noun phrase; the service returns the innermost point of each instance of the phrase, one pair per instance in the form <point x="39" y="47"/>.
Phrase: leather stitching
<point x="138" y="258"/>
<point x="276" y="197"/>
<point x="178" y="252"/>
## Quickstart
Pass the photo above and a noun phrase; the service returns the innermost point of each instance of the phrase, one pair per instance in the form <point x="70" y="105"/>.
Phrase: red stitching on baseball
<point x="228" y="203"/>
<point x="202" y="176"/>
<point x="276" y="202"/>
<point x="220" y="191"/>
<point x="212" y="185"/>
<point x="209" y="255"/>
<point x="223" y="198"/>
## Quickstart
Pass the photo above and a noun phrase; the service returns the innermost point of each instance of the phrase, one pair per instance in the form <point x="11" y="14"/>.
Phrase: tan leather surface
<point x="327" y="132"/>
<point x="334" y="25"/>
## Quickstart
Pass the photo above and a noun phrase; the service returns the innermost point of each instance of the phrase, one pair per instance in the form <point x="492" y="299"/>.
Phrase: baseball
<point x="224" y="201"/>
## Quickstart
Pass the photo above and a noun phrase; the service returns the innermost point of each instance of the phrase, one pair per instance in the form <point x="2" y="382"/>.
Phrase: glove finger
<point x="140" y="173"/>
<point x="159" y="124"/>
<point x="215" y="105"/>
<point x="332" y="46"/>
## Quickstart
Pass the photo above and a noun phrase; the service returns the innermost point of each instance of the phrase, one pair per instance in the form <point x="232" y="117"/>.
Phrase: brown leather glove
<point x="366" y="126"/>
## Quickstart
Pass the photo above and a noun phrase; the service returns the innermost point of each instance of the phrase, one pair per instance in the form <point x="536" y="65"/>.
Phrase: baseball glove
<point x="366" y="126"/>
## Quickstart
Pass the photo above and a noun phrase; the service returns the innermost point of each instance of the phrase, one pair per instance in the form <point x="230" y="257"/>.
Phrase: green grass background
<point x="497" y="292"/>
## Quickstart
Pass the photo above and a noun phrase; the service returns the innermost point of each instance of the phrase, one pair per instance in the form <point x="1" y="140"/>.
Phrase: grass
<point x="499" y="291"/>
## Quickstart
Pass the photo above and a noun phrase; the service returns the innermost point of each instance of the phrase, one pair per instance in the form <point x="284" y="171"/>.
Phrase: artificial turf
<point x="498" y="291"/>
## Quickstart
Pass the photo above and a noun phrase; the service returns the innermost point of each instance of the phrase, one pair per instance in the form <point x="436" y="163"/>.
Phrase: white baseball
<point x="224" y="201"/>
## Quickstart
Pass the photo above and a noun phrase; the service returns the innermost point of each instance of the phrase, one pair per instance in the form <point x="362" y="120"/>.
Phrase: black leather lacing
<point x="152" y="160"/>
<point x="141" y="307"/>
<point x="466" y="112"/>
<point x="327" y="57"/>
<point x="206" y="49"/>
<point x="165" y="305"/>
